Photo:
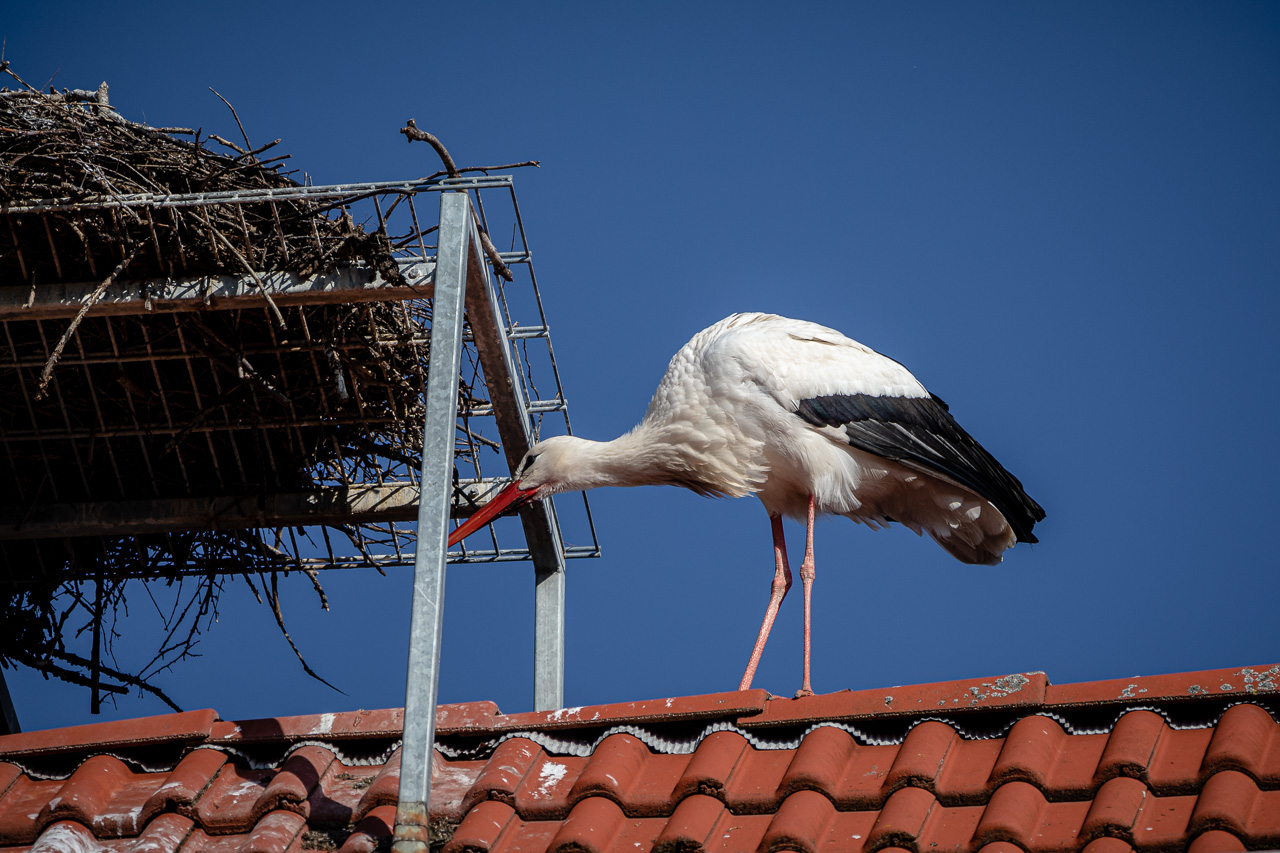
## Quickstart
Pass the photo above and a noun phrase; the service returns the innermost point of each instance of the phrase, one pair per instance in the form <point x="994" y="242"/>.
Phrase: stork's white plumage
<point x="810" y="422"/>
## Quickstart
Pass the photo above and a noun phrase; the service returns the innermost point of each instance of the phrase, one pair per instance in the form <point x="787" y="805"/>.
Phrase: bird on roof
<point x="810" y="422"/>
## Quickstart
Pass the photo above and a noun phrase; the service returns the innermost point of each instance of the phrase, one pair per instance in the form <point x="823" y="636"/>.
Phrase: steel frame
<point x="382" y="506"/>
<point x="453" y="276"/>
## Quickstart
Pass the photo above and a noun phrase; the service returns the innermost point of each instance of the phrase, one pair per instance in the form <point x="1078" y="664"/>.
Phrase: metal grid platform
<point x="250" y="420"/>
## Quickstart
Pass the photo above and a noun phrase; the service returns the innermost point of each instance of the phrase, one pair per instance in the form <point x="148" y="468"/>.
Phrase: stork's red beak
<point x="511" y="498"/>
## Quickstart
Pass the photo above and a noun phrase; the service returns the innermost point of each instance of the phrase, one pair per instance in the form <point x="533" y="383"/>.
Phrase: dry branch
<point x="412" y="132"/>
<point x="47" y="372"/>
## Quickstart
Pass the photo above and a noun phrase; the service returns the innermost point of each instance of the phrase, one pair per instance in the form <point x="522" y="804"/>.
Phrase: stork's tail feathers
<point x="986" y="551"/>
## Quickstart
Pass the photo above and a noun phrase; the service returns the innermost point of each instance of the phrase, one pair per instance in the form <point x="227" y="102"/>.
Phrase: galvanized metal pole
<point x="426" y="628"/>
<point x="541" y="529"/>
<point x="548" y="641"/>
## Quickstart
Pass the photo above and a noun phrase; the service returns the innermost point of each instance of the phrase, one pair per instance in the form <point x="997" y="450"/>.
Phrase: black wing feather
<point x="920" y="433"/>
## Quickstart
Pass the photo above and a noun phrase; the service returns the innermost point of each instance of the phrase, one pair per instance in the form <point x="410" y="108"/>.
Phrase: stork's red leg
<point x="777" y="592"/>
<point x="807" y="573"/>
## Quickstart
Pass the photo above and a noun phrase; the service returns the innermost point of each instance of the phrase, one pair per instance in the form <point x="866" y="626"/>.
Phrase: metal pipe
<point x="259" y="195"/>
<point x="426" y="627"/>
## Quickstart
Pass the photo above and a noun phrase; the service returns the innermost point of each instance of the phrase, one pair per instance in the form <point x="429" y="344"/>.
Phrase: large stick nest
<point x="332" y="393"/>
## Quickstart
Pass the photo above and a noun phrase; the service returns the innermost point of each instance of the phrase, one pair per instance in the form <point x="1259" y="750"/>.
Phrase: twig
<point x="537" y="164"/>
<point x="273" y="597"/>
<point x="256" y="151"/>
<point x="4" y="66"/>
<point x="247" y="143"/>
<point x="262" y="286"/>
<point x="491" y="250"/>
<point x="413" y="133"/>
<point x="47" y="372"/>
<point x="227" y="142"/>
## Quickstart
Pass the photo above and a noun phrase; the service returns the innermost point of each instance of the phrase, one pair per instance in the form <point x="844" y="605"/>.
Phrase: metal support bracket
<point x="540" y="528"/>
<point x="461" y="277"/>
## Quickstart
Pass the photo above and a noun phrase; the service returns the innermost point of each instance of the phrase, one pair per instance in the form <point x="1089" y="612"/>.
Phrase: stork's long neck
<point x="657" y="454"/>
<point x="637" y="458"/>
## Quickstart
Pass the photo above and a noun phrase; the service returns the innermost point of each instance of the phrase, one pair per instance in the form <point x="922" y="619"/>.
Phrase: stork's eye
<point x="528" y="463"/>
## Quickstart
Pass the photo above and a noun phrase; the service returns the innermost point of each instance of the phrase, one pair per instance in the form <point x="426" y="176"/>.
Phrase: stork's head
<point x="541" y="473"/>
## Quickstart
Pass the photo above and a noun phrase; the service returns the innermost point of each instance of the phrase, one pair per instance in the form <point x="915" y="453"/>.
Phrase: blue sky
<point x="1063" y="218"/>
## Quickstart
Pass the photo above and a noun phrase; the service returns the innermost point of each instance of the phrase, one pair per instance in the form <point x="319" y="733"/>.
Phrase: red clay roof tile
<point x="1114" y="810"/>
<point x="592" y="825"/>
<point x="800" y="824"/>
<point x="1015" y="811"/>
<point x="711" y="765"/>
<point x="1216" y="841"/>
<point x="369" y="832"/>
<point x="695" y="824"/>
<point x="274" y="833"/>
<point x="1131" y="744"/>
<point x="1001" y="764"/>
<point x="819" y="764"/>
<point x="1244" y="739"/>
<point x="966" y="773"/>
<point x="902" y="818"/>
<point x="921" y="757"/>
<point x="482" y="827"/>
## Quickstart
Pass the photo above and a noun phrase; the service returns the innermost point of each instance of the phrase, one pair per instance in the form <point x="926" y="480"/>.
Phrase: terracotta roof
<point x="1167" y="762"/>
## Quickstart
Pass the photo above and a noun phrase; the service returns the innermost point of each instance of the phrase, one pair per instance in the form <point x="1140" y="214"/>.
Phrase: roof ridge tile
<point x="735" y="703"/>
<point x="1006" y="691"/>
<point x="189" y="726"/>
<point x="1238" y="682"/>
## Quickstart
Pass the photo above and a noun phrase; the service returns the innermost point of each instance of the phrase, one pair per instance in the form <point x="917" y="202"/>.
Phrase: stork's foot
<point x="803" y="692"/>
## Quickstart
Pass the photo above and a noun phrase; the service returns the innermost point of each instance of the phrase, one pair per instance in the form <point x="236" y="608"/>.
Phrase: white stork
<point x="809" y="421"/>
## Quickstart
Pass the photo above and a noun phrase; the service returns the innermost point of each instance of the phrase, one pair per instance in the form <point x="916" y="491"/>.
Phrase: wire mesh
<point x="239" y="408"/>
